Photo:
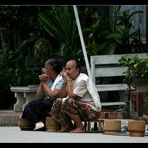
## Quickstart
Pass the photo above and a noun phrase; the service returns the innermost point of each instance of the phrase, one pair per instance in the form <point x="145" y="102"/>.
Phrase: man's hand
<point x="43" y="77"/>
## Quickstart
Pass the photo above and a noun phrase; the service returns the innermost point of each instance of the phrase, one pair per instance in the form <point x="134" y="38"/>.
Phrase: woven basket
<point x="136" y="128"/>
<point x="111" y="125"/>
<point x="52" y="125"/>
<point x="24" y="124"/>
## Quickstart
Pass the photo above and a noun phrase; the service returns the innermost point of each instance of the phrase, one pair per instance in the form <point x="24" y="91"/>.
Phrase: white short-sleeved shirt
<point x="57" y="84"/>
<point x="80" y="89"/>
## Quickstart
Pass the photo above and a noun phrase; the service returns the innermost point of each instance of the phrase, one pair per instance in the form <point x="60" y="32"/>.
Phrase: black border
<point x="73" y="2"/>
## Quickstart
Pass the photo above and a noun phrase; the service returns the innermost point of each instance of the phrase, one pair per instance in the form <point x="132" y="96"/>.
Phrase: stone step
<point x="9" y="118"/>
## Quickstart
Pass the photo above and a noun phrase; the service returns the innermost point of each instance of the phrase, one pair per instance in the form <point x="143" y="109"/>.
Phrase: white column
<point x="18" y="106"/>
<point x="28" y="97"/>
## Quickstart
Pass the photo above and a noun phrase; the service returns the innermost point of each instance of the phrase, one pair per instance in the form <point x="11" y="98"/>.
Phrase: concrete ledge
<point x="9" y="118"/>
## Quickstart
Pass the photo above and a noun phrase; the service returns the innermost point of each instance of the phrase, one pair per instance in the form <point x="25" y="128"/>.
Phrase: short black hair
<point x="56" y="64"/>
<point x="78" y="64"/>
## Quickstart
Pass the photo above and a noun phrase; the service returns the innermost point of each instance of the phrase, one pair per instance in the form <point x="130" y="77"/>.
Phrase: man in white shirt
<point x="79" y="104"/>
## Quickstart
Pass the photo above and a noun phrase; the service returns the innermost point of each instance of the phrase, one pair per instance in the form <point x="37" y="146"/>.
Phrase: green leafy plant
<point x="60" y="24"/>
<point x="137" y="68"/>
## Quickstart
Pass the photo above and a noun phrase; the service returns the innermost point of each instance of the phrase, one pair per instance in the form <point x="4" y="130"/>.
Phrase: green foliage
<point x="19" y="30"/>
<point x="107" y="34"/>
<point x="95" y="26"/>
<point x="137" y="67"/>
<point x="60" y="24"/>
<point x="119" y="35"/>
<point x="42" y="32"/>
<point x="42" y="49"/>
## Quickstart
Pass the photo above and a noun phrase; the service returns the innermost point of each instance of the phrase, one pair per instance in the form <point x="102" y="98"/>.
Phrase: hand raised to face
<point x="43" y="77"/>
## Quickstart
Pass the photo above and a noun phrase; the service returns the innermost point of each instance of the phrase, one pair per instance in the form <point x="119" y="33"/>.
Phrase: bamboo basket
<point x="111" y="125"/>
<point x="24" y="124"/>
<point x="136" y="128"/>
<point x="52" y="125"/>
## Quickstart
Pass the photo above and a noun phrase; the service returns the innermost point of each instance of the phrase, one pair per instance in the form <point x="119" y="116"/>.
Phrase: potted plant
<point x="137" y="72"/>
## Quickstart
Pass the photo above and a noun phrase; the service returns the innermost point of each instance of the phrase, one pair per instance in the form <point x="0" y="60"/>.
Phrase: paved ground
<point x="11" y="133"/>
<point x="15" y="135"/>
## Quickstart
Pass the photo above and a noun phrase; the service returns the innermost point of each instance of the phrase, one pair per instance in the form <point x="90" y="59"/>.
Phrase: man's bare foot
<point x="65" y="129"/>
<point x="78" y="130"/>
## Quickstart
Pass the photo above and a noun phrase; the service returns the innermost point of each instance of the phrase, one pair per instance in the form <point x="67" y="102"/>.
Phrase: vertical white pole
<point x="82" y="40"/>
<point x="92" y="89"/>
